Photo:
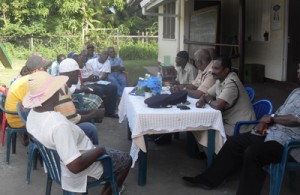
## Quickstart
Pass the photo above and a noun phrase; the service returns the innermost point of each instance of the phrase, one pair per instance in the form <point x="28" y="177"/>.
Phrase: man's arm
<point x="217" y="104"/>
<point x="285" y="120"/>
<point x="88" y="115"/>
<point x="194" y="93"/>
<point x="85" y="160"/>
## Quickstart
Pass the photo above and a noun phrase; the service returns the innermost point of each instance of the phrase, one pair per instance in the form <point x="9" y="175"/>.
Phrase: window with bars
<point x="169" y="22"/>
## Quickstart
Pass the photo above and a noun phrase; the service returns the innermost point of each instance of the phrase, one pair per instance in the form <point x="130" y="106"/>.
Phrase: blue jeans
<point x="118" y="79"/>
<point x="90" y="130"/>
<point x="109" y="95"/>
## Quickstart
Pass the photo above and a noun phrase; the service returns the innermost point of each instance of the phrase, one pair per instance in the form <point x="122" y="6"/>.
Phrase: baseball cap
<point x="68" y="65"/>
<point x="36" y="61"/>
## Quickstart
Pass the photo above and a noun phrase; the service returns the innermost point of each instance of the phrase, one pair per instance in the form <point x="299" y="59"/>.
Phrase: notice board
<point x="203" y="27"/>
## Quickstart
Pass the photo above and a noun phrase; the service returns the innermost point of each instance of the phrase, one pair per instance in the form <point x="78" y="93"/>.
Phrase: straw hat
<point x="41" y="87"/>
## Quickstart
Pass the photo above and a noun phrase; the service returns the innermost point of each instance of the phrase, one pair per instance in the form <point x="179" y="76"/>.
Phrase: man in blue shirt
<point x="116" y="77"/>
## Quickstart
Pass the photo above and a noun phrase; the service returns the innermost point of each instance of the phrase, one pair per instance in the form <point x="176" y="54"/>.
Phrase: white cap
<point x="68" y="65"/>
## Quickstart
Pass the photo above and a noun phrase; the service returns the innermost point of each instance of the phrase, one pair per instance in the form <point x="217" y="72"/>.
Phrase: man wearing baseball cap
<point x="19" y="88"/>
<point x="77" y="153"/>
<point x="66" y="107"/>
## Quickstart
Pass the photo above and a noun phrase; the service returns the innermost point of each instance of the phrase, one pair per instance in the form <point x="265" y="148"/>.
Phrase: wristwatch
<point x="272" y="118"/>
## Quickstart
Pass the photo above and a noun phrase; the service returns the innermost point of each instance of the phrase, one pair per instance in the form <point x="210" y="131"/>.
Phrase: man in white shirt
<point x="77" y="153"/>
<point x="95" y="70"/>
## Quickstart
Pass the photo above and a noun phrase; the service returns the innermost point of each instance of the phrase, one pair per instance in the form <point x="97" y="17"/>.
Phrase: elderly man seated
<point x="77" y="153"/>
<point x="204" y="79"/>
<point x="186" y="72"/>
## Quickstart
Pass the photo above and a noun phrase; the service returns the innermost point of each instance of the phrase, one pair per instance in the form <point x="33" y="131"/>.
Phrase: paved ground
<point x="166" y="164"/>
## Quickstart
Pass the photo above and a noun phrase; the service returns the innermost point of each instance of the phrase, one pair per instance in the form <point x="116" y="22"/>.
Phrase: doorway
<point x="293" y="55"/>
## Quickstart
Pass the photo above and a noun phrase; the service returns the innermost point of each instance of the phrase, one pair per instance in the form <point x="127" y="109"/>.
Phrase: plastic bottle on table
<point x="159" y="78"/>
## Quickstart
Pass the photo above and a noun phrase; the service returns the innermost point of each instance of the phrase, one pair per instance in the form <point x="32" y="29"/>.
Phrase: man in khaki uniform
<point x="228" y="95"/>
<point x="204" y="79"/>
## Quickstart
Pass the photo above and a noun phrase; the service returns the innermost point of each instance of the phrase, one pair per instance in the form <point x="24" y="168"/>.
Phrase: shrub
<point x="139" y="50"/>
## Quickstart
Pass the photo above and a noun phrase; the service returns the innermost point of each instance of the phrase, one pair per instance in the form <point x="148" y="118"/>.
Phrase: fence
<point x="70" y="41"/>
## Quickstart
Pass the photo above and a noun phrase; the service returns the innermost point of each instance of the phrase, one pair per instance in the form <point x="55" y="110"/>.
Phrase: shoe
<point x="198" y="181"/>
<point x="112" y="115"/>
<point x="122" y="189"/>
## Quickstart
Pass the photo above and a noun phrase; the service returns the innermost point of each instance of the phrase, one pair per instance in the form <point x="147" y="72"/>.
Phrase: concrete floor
<point x="166" y="164"/>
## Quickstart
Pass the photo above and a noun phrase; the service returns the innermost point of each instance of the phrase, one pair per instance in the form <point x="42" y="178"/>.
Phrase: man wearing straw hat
<point x="55" y="131"/>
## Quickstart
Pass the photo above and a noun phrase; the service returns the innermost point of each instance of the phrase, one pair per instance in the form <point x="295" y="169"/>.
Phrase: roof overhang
<point x="150" y="5"/>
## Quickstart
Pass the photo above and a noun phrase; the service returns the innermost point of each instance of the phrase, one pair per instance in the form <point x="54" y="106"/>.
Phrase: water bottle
<point x="159" y="78"/>
<point x="147" y="77"/>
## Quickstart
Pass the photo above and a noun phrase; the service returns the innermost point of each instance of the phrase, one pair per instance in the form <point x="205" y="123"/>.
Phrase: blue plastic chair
<point x="277" y="170"/>
<point x="261" y="108"/>
<point x="52" y="162"/>
<point x="32" y="148"/>
<point x="11" y="132"/>
<point x="251" y="93"/>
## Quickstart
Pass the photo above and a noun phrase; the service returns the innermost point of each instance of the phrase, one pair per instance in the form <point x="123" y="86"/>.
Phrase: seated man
<point x="69" y="67"/>
<point x="198" y="87"/>
<point x="18" y="90"/>
<point x="228" y="95"/>
<point x="55" y="65"/>
<point x="55" y="131"/>
<point x="95" y="70"/>
<point x="204" y="79"/>
<point x="186" y="72"/>
<point x="90" y="51"/>
<point x="253" y="150"/>
<point x="116" y="76"/>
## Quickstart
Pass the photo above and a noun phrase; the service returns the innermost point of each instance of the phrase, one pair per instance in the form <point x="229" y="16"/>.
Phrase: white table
<point x="143" y="120"/>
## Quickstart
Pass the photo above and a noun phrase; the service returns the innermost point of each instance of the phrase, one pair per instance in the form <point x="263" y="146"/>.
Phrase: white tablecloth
<point x="144" y="120"/>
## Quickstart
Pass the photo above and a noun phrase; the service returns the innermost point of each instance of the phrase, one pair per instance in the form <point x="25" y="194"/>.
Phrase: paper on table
<point x="103" y="82"/>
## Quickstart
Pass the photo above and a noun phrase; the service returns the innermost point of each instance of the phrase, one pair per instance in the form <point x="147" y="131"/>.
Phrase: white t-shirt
<point x="98" y="68"/>
<point x="54" y="131"/>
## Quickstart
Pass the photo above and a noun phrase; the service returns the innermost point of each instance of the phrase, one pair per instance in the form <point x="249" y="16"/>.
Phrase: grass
<point x="135" y="68"/>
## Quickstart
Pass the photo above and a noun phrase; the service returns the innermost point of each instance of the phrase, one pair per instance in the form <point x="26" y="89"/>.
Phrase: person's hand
<point x="93" y="78"/>
<point x="200" y="103"/>
<point x="85" y="89"/>
<point x="174" y="88"/>
<point x="262" y="128"/>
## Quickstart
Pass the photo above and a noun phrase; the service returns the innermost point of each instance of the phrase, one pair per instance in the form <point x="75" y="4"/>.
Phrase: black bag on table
<point x="165" y="100"/>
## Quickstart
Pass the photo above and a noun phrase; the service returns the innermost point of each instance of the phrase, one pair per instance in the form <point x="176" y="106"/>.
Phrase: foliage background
<point x="55" y="26"/>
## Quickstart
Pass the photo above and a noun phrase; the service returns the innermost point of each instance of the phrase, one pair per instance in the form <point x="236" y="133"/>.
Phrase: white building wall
<point x="170" y="47"/>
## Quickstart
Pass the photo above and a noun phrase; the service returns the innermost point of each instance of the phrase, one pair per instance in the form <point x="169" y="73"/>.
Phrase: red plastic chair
<point x="3" y="125"/>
